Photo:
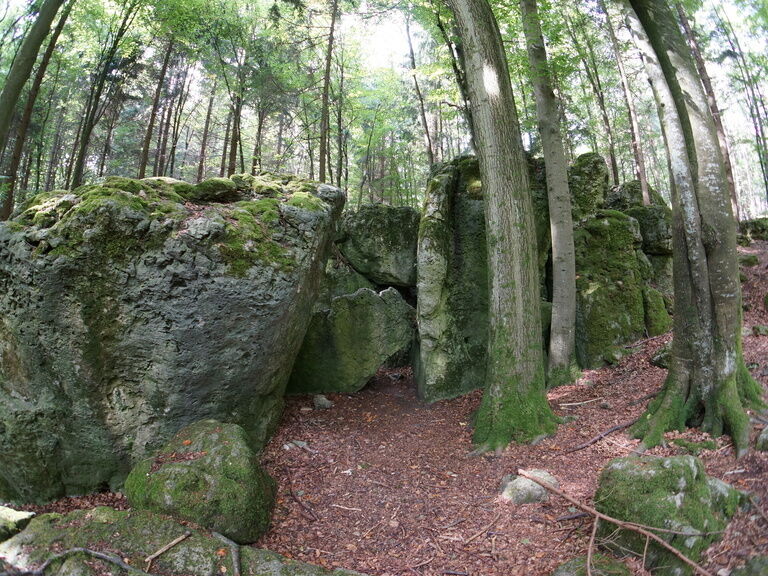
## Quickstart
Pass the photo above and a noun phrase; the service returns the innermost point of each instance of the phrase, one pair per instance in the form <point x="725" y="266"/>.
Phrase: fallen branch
<point x="420" y="564"/>
<point x="571" y="404"/>
<point x="165" y="549"/>
<point x="234" y="550"/>
<point x="645" y="341"/>
<point x="640" y="529"/>
<point x="644" y="398"/>
<point x="346" y="508"/>
<point x="304" y="505"/>
<point x="601" y="436"/>
<point x="484" y="529"/>
<point x="591" y="546"/>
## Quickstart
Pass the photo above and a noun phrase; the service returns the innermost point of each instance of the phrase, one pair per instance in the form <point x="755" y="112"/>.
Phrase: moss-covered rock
<point x="601" y="566"/>
<point x="206" y="474"/>
<point x="610" y="309"/>
<point x="655" y="228"/>
<point x="761" y="444"/>
<point x="588" y="182"/>
<point x="348" y="342"/>
<point x="755" y="566"/>
<point x="379" y="241"/>
<point x="630" y="195"/>
<point x="340" y="279"/>
<point x="13" y="521"/>
<point x="133" y="536"/>
<point x="128" y="313"/>
<point x="755" y="229"/>
<point x="657" y="319"/>
<point x="672" y="494"/>
<point x="213" y="190"/>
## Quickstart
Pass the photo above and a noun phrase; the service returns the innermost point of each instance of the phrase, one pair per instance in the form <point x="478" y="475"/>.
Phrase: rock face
<point x="207" y="474"/>
<point x="135" y="535"/>
<point x="612" y="299"/>
<point x="670" y="493"/>
<point x="452" y="308"/>
<point x="129" y="314"/>
<point x="347" y="342"/>
<point x="588" y="182"/>
<point x="379" y="242"/>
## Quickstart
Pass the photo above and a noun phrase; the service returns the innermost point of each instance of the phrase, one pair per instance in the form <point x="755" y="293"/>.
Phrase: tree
<point x="708" y="384"/>
<point x="562" y="341"/>
<point x="514" y="405"/>
<point x="23" y="63"/>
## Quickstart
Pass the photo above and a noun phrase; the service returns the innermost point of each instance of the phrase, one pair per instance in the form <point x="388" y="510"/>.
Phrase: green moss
<point x="694" y="448"/>
<point x="748" y="260"/>
<point x="657" y="319"/>
<point x="213" y="190"/>
<point x="306" y="201"/>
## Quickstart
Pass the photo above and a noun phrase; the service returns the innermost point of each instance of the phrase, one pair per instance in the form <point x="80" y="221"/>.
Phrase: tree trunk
<point x="204" y="139"/>
<point x="26" y="118"/>
<point x="708" y="384"/>
<point x="234" y="136"/>
<point x="23" y="64"/>
<point x="324" y="104"/>
<point x="256" y="159"/>
<point x="153" y="113"/>
<point x="562" y="340"/>
<point x="223" y="167"/>
<point x="514" y="405"/>
<point x="419" y="96"/>
<point x="634" y="125"/>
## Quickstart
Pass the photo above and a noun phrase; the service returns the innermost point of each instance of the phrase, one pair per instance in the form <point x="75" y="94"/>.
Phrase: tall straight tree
<point x="514" y="405"/>
<point x="562" y="341"/>
<point x="144" y="160"/>
<point x="708" y="384"/>
<point x="23" y="63"/>
<point x="325" y="117"/>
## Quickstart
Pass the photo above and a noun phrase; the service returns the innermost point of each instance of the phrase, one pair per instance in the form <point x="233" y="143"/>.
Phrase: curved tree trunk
<point x="514" y="406"/>
<point x="708" y="384"/>
<point x="562" y="341"/>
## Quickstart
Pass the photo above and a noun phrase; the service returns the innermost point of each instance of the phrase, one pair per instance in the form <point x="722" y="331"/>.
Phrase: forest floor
<point x="383" y="483"/>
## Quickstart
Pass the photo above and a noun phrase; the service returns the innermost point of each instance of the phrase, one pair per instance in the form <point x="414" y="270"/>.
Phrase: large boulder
<point x="13" y="521"/>
<point x="673" y="494"/>
<point x="348" y="342"/>
<point x="452" y="308"/>
<point x="206" y="474"/>
<point x="379" y="241"/>
<point x="588" y="183"/>
<point x="630" y="195"/>
<point x="133" y="536"/>
<point x="128" y="313"/>
<point x="610" y="284"/>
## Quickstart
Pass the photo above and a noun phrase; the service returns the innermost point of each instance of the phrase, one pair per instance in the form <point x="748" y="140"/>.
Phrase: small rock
<point x="523" y="491"/>
<point x="321" y="402"/>
<point x="762" y="441"/>
<point x="605" y="405"/>
<point x="12" y="522"/>
<point x="760" y="330"/>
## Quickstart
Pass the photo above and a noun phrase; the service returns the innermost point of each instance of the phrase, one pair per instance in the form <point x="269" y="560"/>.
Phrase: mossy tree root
<point x="680" y="405"/>
<point x="563" y="375"/>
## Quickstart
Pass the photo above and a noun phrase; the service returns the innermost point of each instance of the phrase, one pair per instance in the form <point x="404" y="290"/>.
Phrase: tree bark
<point x="153" y="113"/>
<point x="206" y="129"/>
<point x="223" y="167"/>
<point x="419" y="96"/>
<point x="514" y="405"/>
<point x="324" y="104"/>
<point x="708" y="384"/>
<point x="26" y="117"/>
<point x="23" y="64"/>
<point x="562" y="342"/>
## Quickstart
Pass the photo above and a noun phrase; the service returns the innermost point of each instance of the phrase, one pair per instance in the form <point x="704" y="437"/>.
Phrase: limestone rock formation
<point x="137" y="534"/>
<point x="347" y="343"/>
<point x="206" y="474"/>
<point x="588" y="182"/>
<point x="129" y="313"/>
<point x="673" y="494"/>
<point x="379" y="241"/>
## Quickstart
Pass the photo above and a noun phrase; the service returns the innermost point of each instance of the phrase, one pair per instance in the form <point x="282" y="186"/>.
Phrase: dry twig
<point x="165" y="549"/>
<point x="488" y="527"/>
<point x="601" y="436"/>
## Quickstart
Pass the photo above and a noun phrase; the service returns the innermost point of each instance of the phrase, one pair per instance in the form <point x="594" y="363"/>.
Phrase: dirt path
<point x="384" y="484"/>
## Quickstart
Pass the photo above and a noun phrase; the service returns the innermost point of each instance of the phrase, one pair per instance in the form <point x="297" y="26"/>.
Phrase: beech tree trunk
<point x="562" y="341"/>
<point x="708" y="384"/>
<point x="26" y="117"/>
<point x="514" y="405"/>
<point x="419" y="96"/>
<point x="153" y="112"/>
<point x="223" y="167"/>
<point x="324" y="103"/>
<point x="206" y="129"/>
<point x="23" y="63"/>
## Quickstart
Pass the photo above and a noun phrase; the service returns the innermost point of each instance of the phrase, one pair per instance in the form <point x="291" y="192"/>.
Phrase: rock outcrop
<point x="347" y="342"/>
<point x="134" y="535"/>
<point x="588" y="183"/>
<point x="673" y="494"/>
<point x="129" y="313"/>
<point x="379" y="241"/>
<point x="207" y="474"/>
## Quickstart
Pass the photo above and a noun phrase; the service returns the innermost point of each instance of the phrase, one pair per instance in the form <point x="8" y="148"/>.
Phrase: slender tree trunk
<point x="23" y="64"/>
<point x="324" y="104"/>
<point x="204" y="139"/>
<point x="162" y="151"/>
<point x="26" y="117"/>
<point x="634" y="125"/>
<point x="50" y="177"/>
<point x="178" y="118"/>
<point x="708" y="384"/>
<point x="514" y="405"/>
<point x="340" y="137"/>
<point x="234" y="136"/>
<point x="153" y="112"/>
<point x="419" y="96"/>
<point x="223" y="167"/>
<point x="256" y="159"/>
<point x="562" y="342"/>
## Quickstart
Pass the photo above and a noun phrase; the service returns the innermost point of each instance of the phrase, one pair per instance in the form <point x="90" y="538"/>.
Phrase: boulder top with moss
<point x="130" y="310"/>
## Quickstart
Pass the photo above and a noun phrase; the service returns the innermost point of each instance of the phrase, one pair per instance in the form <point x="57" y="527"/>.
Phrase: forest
<point x="445" y="287"/>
